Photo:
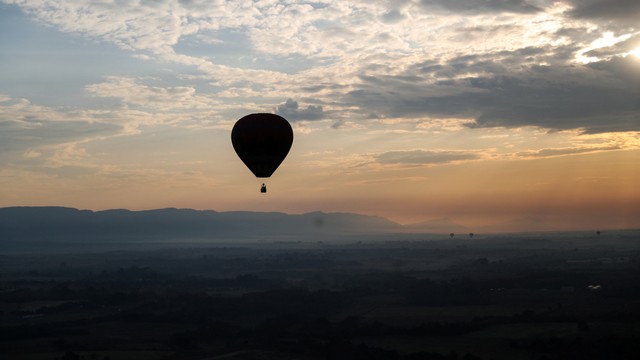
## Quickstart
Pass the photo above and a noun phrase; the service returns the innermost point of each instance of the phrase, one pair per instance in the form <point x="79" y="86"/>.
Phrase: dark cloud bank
<point x="620" y="12"/>
<point x="484" y="6"/>
<point x="290" y="110"/>
<point x="511" y="88"/>
<point x="598" y="97"/>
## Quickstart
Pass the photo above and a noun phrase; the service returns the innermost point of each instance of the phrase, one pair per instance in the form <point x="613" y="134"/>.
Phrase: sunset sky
<point x="495" y="114"/>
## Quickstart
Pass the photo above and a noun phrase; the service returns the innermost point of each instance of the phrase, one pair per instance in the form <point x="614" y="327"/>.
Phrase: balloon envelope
<point x="262" y="141"/>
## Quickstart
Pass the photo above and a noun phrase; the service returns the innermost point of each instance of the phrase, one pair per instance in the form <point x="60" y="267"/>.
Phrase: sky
<point x="494" y="114"/>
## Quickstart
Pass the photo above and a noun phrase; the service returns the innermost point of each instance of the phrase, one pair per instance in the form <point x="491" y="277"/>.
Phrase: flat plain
<point x="519" y="296"/>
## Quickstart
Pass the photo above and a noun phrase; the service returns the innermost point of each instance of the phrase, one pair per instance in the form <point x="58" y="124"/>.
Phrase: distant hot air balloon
<point x="451" y="235"/>
<point x="470" y="235"/>
<point x="262" y="141"/>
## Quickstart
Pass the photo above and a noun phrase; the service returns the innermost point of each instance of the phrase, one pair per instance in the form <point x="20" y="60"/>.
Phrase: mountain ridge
<point x="48" y="222"/>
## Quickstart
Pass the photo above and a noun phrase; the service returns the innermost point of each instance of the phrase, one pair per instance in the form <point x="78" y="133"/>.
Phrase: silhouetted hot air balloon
<point x="451" y="235"/>
<point x="262" y="141"/>
<point x="470" y="235"/>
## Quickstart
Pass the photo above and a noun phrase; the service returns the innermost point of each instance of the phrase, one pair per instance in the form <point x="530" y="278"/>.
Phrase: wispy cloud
<point x="132" y="92"/>
<point x="423" y="157"/>
<point x="29" y="130"/>
<point x="292" y="111"/>
<point x="542" y="153"/>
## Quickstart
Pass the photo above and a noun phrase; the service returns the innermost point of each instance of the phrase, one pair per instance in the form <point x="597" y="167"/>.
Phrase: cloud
<point x="291" y="111"/>
<point x="30" y="131"/>
<point x="622" y="47"/>
<point x="552" y="152"/>
<point x="478" y="7"/>
<point x="341" y="37"/>
<point x="151" y="25"/>
<point x="132" y="92"/>
<point x="596" y="97"/>
<point x="423" y="157"/>
<point x="153" y="29"/>
<point x="338" y="124"/>
<point x="626" y="12"/>
<point x="55" y="136"/>
<point x="16" y="140"/>
<point x="393" y="17"/>
<point x="377" y="57"/>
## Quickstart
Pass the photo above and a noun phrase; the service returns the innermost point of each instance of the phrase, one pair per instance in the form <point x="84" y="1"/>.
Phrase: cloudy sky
<point x="517" y="112"/>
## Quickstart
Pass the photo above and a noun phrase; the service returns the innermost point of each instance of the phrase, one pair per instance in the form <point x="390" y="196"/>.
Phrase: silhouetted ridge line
<point x="171" y="223"/>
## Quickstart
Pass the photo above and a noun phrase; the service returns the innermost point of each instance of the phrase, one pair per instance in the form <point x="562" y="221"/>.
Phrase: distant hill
<point x="53" y="223"/>
<point x="443" y="225"/>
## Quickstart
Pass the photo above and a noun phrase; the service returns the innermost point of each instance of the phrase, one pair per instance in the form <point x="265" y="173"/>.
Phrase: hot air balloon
<point x="262" y="141"/>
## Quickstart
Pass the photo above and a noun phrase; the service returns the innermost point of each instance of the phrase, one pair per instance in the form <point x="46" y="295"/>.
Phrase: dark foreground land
<point x="536" y="296"/>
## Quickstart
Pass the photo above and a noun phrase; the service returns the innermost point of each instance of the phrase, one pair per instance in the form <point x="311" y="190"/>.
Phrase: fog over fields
<point x="184" y="284"/>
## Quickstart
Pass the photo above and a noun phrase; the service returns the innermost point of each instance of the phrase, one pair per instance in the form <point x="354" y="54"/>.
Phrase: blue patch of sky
<point x="232" y="47"/>
<point x="323" y="23"/>
<point x="318" y="5"/>
<point x="49" y="67"/>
